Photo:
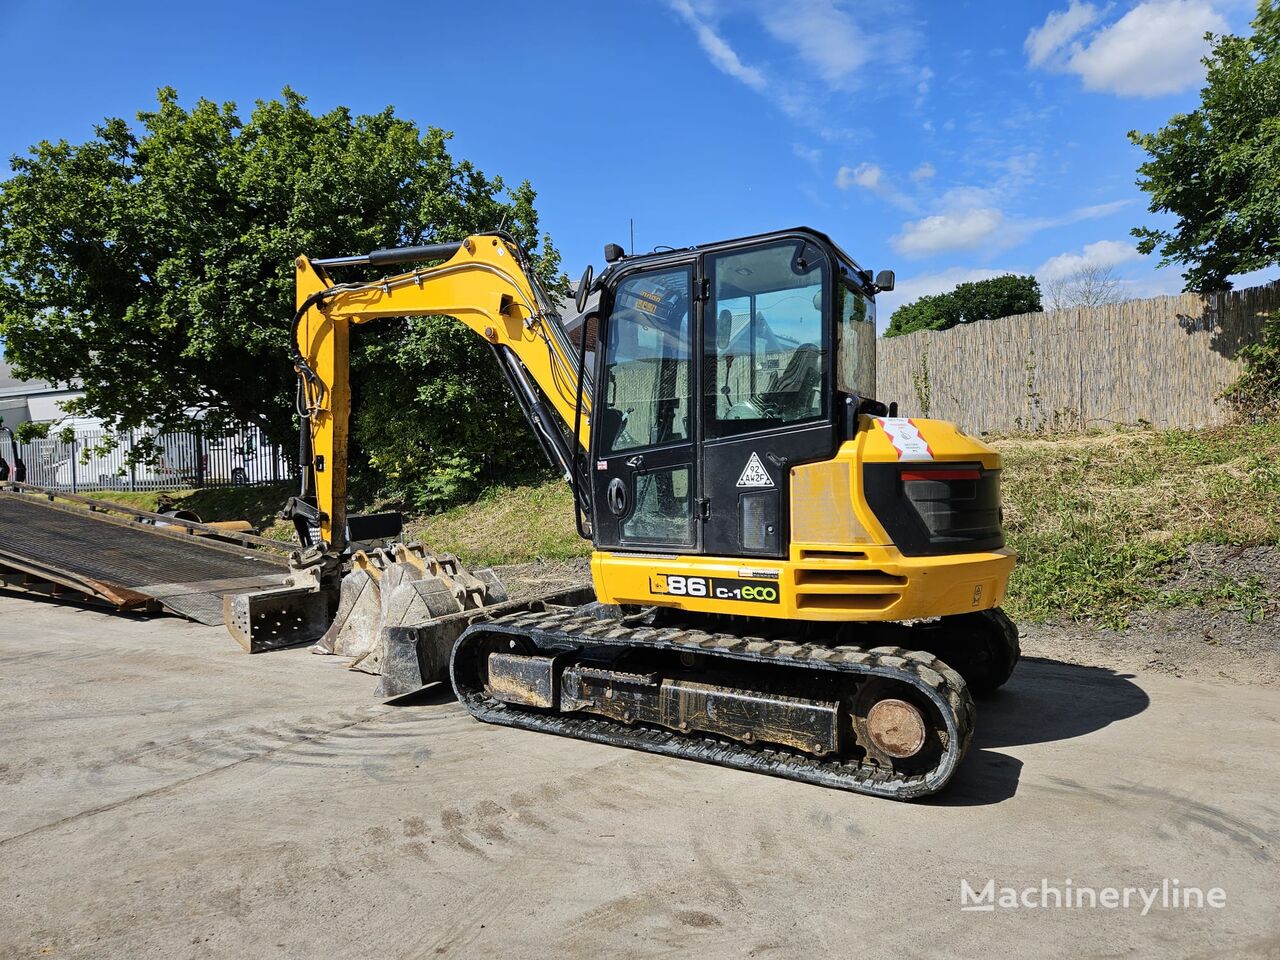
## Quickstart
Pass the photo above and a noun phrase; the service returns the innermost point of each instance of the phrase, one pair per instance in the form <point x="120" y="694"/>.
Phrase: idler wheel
<point x="896" y="728"/>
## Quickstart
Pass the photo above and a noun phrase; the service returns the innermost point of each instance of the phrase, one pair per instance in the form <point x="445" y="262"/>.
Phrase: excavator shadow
<point x="432" y="695"/>
<point x="1045" y="701"/>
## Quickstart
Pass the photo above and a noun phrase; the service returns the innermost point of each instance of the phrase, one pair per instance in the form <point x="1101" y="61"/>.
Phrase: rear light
<point x="936" y="509"/>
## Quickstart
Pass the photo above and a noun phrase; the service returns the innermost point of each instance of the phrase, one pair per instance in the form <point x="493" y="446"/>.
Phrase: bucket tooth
<point x="495" y="589"/>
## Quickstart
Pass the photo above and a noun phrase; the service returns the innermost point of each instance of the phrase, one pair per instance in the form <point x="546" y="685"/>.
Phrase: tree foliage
<point x="1003" y="296"/>
<point x="1217" y="169"/>
<point x="153" y="264"/>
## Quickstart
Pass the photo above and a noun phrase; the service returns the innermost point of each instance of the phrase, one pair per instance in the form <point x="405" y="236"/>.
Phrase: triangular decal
<point x="754" y="474"/>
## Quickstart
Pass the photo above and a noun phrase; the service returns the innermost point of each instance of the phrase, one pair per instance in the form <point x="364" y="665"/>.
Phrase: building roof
<point x="7" y="380"/>
<point x="12" y="386"/>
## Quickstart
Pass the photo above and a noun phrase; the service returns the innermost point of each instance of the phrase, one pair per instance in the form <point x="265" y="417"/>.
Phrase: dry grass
<point x="1100" y="521"/>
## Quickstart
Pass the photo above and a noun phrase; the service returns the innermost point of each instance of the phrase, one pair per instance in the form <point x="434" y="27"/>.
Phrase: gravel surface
<point x="165" y="795"/>
<point x="1235" y="645"/>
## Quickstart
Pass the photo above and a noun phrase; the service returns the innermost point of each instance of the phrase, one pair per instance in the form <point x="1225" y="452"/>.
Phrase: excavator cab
<point x="721" y="367"/>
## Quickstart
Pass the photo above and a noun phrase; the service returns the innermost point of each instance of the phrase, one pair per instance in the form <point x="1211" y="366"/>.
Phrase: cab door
<point x="767" y="388"/>
<point x="644" y="472"/>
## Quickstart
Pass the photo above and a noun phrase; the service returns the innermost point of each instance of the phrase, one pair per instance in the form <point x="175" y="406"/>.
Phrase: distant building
<point x="23" y="400"/>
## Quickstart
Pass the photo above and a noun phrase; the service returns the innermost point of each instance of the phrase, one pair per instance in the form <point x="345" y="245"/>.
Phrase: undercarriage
<point x="877" y="719"/>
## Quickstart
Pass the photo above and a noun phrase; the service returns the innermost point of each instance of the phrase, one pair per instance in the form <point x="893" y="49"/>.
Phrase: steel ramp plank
<point x="114" y="559"/>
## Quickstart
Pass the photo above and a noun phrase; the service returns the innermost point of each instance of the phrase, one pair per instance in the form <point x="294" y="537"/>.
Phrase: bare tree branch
<point x="1091" y="285"/>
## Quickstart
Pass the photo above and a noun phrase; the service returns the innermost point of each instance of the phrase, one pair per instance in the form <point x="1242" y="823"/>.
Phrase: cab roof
<point x="627" y="262"/>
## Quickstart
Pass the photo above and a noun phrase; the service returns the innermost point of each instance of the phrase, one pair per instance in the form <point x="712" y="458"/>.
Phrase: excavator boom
<point x="486" y="283"/>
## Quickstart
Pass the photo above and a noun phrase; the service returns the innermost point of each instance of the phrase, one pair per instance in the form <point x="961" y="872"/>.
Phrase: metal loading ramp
<point x="63" y="550"/>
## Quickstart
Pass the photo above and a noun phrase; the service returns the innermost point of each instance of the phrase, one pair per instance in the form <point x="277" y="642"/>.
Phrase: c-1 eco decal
<point x="715" y="588"/>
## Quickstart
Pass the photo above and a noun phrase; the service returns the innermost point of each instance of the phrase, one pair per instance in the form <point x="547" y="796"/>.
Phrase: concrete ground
<point x="163" y="794"/>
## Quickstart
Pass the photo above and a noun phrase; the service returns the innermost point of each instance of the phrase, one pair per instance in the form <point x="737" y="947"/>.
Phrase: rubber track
<point x="562" y="630"/>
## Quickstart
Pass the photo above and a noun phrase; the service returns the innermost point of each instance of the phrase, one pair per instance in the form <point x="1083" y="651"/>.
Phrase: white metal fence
<point x="87" y="461"/>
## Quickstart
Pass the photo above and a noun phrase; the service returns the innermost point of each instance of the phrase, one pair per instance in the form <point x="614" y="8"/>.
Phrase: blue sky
<point x="948" y="141"/>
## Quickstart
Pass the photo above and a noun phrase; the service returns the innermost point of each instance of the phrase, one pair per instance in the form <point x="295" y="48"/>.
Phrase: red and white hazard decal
<point x="906" y="439"/>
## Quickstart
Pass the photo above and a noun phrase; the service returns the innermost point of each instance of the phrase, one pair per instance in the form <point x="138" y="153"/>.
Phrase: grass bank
<point x="1101" y="522"/>
<point x="507" y="525"/>
<point x="258" y="505"/>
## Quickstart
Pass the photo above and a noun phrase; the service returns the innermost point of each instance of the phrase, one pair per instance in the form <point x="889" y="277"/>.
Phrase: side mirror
<point x="884" y="280"/>
<point x="584" y="288"/>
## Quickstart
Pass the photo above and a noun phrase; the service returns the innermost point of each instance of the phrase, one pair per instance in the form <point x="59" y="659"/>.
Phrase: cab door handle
<point x="616" y="497"/>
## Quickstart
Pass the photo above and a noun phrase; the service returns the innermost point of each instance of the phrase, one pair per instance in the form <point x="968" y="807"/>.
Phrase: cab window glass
<point x="764" y="348"/>
<point x="855" y="342"/>
<point x="646" y="372"/>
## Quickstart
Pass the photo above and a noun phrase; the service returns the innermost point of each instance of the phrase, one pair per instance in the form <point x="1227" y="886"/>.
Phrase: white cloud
<point x="962" y="229"/>
<point x="825" y="36"/>
<point x="870" y="176"/>
<point x="970" y="219"/>
<point x="1154" y="49"/>
<point x="717" y="48"/>
<point x="925" y="171"/>
<point x="922" y="86"/>
<point x="866" y="175"/>
<point x="1045" y="42"/>
<point x="810" y="155"/>
<point x="1103" y="253"/>
<point x="817" y="50"/>
<point x="1094" y="211"/>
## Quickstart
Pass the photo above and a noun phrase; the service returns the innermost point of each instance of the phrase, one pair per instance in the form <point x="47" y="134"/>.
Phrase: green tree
<point x="154" y="265"/>
<point x="1217" y="169"/>
<point x="1003" y="296"/>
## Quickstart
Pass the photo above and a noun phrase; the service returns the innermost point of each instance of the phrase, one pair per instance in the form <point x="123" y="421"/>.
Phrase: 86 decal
<point x="715" y="588"/>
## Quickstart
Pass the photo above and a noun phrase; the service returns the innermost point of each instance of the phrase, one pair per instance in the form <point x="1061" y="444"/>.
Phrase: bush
<point x="1255" y="395"/>
<point x="26" y="432"/>
<point x="1004" y="296"/>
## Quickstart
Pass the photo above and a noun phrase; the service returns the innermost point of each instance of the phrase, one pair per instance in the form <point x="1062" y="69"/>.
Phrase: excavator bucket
<point x="396" y="614"/>
<point x="389" y="607"/>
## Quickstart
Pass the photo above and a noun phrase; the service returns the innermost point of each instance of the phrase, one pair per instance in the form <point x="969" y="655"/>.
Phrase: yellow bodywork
<point x="842" y="565"/>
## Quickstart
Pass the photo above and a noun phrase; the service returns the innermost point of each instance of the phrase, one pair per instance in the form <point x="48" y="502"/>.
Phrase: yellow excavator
<point x="788" y="577"/>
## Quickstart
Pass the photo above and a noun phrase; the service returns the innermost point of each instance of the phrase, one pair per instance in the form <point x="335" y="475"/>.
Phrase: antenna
<point x="633" y="236"/>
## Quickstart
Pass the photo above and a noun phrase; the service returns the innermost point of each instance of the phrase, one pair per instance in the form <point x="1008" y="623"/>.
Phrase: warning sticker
<point x="754" y="474"/>
<point x="906" y="439"/>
